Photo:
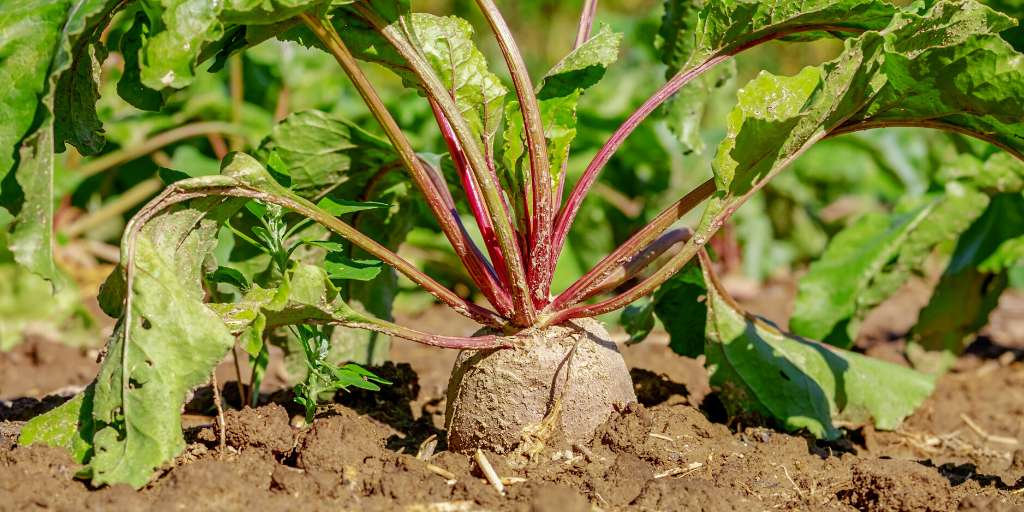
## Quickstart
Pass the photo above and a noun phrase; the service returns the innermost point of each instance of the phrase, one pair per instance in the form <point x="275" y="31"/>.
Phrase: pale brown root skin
<point x="493" y="395"/>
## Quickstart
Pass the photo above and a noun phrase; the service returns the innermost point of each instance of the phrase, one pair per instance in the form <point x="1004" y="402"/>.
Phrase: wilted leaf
<point x="166" y="344"/>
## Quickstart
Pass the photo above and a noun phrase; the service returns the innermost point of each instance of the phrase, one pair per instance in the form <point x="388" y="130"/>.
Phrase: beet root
<point x="503" y="399"/>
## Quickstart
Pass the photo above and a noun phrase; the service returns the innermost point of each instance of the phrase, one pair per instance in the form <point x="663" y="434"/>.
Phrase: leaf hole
<point x="145" y="323"/>
<point x="784" y="376"/>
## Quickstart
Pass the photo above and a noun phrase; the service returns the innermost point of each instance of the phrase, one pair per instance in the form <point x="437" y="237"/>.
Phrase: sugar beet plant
<point x="540" y="363"/>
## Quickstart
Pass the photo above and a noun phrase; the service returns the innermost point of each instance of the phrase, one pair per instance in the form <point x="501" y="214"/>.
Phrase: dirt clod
<point x="624" y="481"/>
<point x="265" y="429"/>
<point x="885" y="485"/>
<point x="344" y="445"/>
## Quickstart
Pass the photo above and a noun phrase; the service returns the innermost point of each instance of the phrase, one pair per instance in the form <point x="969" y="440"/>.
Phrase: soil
<point x="962" y="450"/>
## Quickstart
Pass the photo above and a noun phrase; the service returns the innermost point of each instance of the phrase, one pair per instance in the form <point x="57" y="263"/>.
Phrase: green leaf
<point x="339" y="207"/>
<point x="180" y="27"/>
<point x="675" y="41"/>
<point x="681" y="306"/>
<point x="264" y="12"/>
<point x="69" y="426"/>
<point x="966" y="295"/>
<point x="257" y="208"/>
<point x="340" y="267"/>
<point x="448" y="45"/>
<point x="27" y="304"/>
<point x="958" y="309"/>
<point x="951" y="213"/>
<point x="169" y="176"/>
<point x="583" y="67"/>
<point x="1002" y="221"/>
<point x="358" y="370"/>
<point x="969" y="81"/>
<point x="277" y="168"/>
<point x="676" y="37"/>
<point x="320" y="149"/>
<point x="230" y="276"/>
<point x="881" y="79"/>
<point x="638" y="320"/>
<point x="724" y="25"/>
<point x="246" y="318"/>
<point x="130" y="87"/>
<point x="830" y="292"/>
<point x="801" y="383"/>
<point x="349" y="378"/>
<point x="35" y="46"/>
<point x="684" y="111"/>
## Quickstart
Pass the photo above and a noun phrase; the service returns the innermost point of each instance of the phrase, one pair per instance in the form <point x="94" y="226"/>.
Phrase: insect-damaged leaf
<point x="165" y="345"/>
<point x="801" y="383"/>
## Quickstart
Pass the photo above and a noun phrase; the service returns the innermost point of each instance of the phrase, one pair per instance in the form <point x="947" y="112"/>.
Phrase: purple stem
<point x="539" y="259"/>
<point x="579" y="192"/>
<point x="631" y="267"/>
<point x="684" y="76"/>
<point x="476" y="200"/>
<point x="647" y="235"/>
<point x="586" y="22"/>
